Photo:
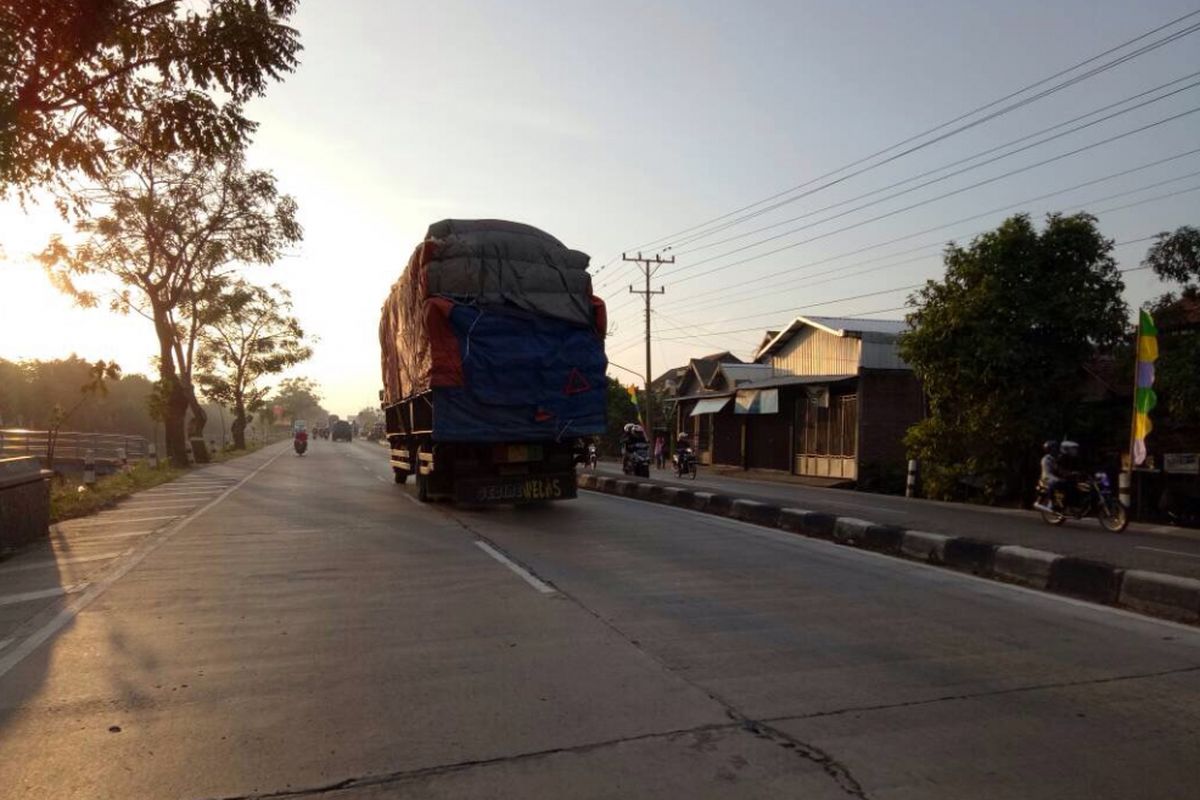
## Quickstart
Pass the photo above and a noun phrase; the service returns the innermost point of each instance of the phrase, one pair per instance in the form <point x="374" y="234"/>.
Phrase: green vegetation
<point x="1175" y="258"/>
<point x="253" y="335"/>
<point x="70" y="499"/>
<point x="79" y="73"/>
<point x="1000" y="346"/>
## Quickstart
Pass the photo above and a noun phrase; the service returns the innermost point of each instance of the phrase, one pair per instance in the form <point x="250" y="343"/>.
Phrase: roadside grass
<point x="70" y="499"/>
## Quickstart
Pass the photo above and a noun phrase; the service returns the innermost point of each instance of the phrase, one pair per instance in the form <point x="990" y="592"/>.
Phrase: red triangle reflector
<point x="576" y="383"/>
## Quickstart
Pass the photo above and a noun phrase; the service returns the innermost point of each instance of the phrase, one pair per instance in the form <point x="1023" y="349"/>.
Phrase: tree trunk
<point x="199" y="418"/>
<point x="239" y="424"/>
<point x="175" y="413"/>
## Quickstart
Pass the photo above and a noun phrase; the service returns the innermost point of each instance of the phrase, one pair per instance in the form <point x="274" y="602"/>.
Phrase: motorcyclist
<point x="683" y="443"/>
<point x="1058" y="464"/>
<point x="300" y="437"/>
<point x="631" y="434"/>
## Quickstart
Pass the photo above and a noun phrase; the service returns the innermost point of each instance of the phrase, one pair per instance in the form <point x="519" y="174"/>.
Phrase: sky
<point x="614" y="125"/>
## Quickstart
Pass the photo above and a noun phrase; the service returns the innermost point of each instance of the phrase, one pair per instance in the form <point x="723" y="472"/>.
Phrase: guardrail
<point x="73" y="445"/>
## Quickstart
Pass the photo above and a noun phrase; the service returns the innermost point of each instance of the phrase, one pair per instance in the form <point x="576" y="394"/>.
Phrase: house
<point x="825" y="397"/>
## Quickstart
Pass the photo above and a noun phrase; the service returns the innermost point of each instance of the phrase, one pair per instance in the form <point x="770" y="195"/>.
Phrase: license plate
<point x="518" y="453"/>
<point x="516" y="489"/>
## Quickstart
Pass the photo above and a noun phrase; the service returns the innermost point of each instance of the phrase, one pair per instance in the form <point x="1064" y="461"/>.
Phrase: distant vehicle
<point x="377" y="432"/>
<point x="342" y="431"/>
<point x="493" y="364"/>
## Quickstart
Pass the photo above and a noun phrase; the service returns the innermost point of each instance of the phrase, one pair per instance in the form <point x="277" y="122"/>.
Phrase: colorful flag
<point x="1144" y="398"/>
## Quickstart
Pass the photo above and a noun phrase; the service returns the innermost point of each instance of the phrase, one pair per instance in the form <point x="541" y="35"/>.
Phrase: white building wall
<point x="881" y="352"/>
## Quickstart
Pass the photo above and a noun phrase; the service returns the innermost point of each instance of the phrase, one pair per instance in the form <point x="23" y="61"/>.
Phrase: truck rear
<point x="493" y="364"/>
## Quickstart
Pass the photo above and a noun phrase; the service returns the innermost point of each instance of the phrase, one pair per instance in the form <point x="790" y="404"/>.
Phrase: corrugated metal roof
<point x="794" y="380"/>
<point x="846" y="325"/>
<point x="739" y="373"/>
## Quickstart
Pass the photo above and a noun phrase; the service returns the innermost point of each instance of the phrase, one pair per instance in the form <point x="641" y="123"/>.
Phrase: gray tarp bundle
<point x="482" y="262"/>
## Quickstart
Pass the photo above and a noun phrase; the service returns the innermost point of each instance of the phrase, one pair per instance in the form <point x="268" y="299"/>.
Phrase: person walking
<point x="660" y="454"/>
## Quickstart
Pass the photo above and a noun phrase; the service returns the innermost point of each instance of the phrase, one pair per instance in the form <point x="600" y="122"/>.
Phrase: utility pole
<point x="649" y="266"/>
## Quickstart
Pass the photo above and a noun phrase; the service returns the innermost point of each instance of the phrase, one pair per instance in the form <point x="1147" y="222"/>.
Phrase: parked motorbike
<point x="685" y="463"/>
<point x="1093" y="497"/>
<point x="636" y="460"/>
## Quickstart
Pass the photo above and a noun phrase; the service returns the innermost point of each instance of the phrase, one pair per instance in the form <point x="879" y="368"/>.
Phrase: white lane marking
<point x="58" y="562"/>
<point x="40" y="594"/>
<point x="122" y="534"/>
<point x="542" y="587"/>
<point x="799" y="540"/>
<point x="5" y="643"/>
<point x="100" y="523"/>
<point x="35" y="639"/>
<point x="1161" y="550"/>
<point x="160" y="505"/>
<point x="381" y="480"/>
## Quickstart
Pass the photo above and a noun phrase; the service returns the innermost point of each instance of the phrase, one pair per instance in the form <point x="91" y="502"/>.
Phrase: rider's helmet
<point x="1050" y="447"/>
<point x="1069" y="449"/>
<point x="683" y="436"/>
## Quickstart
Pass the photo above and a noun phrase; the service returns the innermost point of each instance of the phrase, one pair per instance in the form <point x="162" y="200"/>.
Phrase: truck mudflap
<point x="516" y="489"/>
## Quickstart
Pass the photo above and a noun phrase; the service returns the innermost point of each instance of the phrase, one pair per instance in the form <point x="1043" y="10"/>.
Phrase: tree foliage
<point x="253" y="335"/>
<point x="1175" y="257"/>
<point x="1000" y="345"/>
<point x="298" y="398"/>
<point x="621" y="410"/>
<point x="170" y="233"/>
<point x="83" y="80"/>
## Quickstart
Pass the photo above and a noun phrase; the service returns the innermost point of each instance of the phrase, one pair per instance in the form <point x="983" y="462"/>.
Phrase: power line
<point x="918" y="204"/>
<point x="1141" y="51"/>
<point x="975" y="156"/>
<point x="742" y="295"/>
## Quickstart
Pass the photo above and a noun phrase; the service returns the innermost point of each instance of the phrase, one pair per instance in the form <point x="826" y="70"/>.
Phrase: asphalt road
<point x="1159" y="548"/>
<point x="302" y="627"/>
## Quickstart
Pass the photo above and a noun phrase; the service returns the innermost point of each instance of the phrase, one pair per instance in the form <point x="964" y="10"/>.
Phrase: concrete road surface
<point x="1154" y="547"/>
<point x="309" y="630"/>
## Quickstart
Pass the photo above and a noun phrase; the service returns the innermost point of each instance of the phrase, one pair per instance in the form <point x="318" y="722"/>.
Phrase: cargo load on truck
<point x="493" y="361"/>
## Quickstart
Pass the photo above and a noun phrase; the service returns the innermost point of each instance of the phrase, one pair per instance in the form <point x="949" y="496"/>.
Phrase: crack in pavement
<point x="975" y="695"/>
<point x="837" y="771"/>
<point x="382" y="779"/>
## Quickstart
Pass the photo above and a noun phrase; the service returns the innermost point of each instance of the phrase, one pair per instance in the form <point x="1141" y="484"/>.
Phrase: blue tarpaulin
<point x="527" y="378"/>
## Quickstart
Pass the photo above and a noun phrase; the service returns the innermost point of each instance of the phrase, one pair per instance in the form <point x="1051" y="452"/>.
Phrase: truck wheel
<point x="423" y="488"/>
<point x="399" y="475"/>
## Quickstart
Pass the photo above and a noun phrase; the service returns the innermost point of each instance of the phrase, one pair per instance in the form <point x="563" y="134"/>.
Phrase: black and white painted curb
<point x="1153" y="593"/>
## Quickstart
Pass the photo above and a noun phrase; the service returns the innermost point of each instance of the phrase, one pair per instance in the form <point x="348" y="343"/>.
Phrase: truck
<point x="494" y="372"/>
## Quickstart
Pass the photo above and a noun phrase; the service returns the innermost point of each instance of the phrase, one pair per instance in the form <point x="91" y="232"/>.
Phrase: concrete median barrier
<point x="1147" y="592"/>
<point x="1168" y="596"/>
<point x="924" y="546"/>
<point x="755" y="512"/>
<point x="585" y="481"/>
<point x="649" y="491"/>
<point x="1024" y="565"/>
<point x="682" y="498"/>
<point x="882" y="538"/>
<point x="970" y="555"/>
<point x="719" y="504"/>
<point x="850" y="530"/>
<point x="1090" y="580"/>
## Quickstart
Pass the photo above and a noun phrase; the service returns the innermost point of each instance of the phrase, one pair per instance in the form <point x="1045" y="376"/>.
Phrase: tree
<point x="299" y="398"/>
<point x="1175" y="257"/>
<point x="171" y="234"/>
<point x="368" y="416"/>
<point x="620" y="411"/>
<point x="253" y="335"/>
<point x="98" y="373"/>
<point x="80" y="75"/>
<point x="1000" y="346"/>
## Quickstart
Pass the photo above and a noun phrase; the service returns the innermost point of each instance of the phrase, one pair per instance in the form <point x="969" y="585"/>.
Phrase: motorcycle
<point x="636" y="460"/>
<point x="685" y="463"/>
<point x="300" y="444"/>
<point x="592" y="457"/>
<point x="1093" y="497"/>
